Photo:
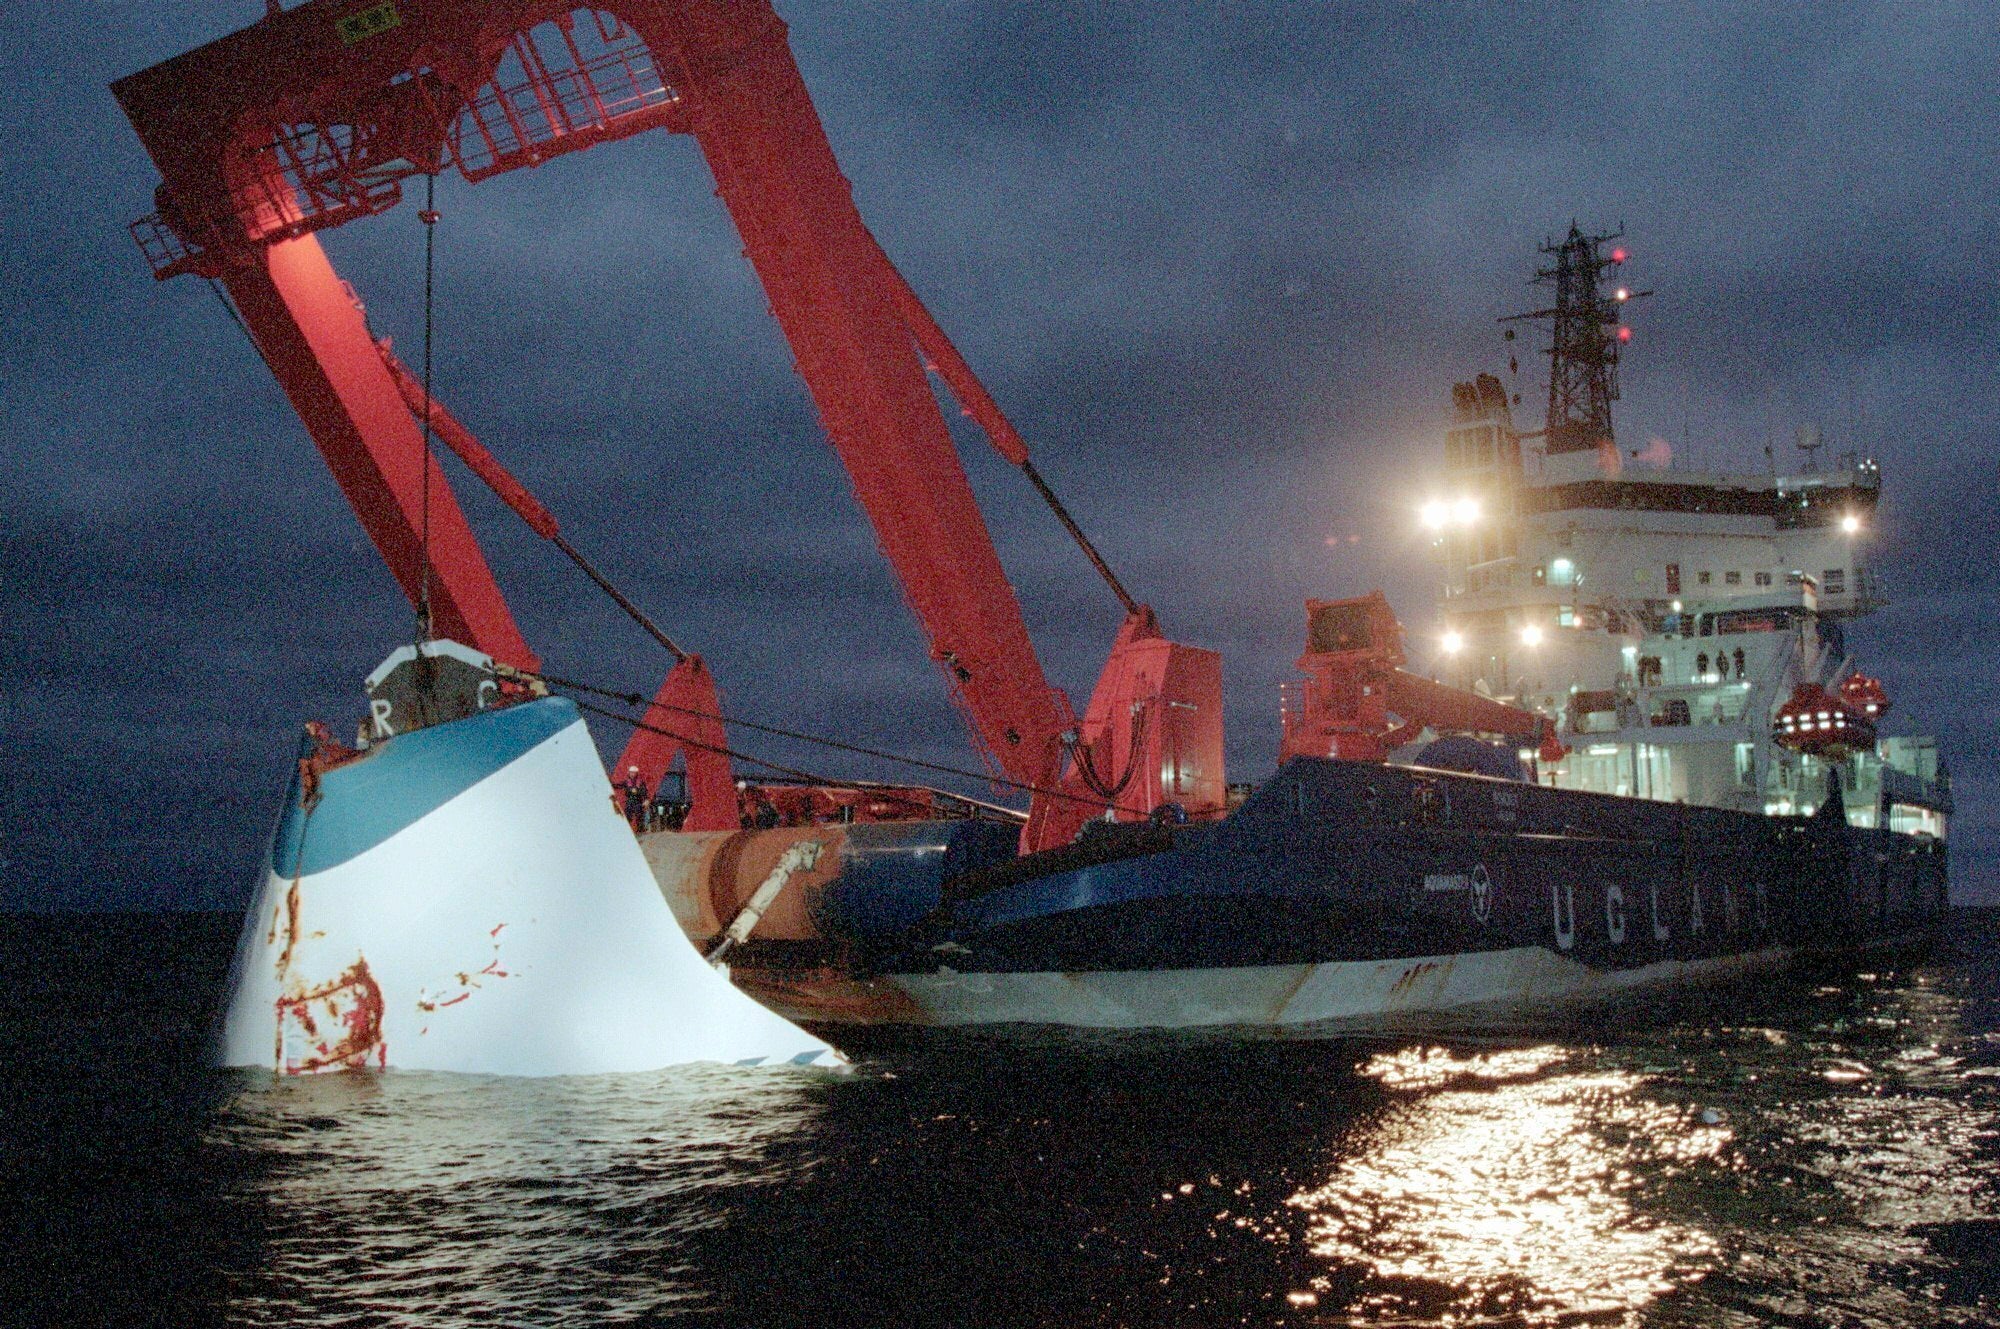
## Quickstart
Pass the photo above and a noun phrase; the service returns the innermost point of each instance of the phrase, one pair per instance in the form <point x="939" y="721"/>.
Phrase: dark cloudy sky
<point x="1220" y="264"/>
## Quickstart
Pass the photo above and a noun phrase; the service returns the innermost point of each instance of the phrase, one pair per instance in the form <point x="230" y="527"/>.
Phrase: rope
<point x="429" y="217"/>
<point x="229" y="308"/>
<point x="622" y="600"/>
<point x="808" y="777"/>
<point x="855" y="749"/>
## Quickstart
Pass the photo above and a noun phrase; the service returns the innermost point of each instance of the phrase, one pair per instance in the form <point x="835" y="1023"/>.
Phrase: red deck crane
<point x="316" y="116"/>
<point x="1354" y="683"/>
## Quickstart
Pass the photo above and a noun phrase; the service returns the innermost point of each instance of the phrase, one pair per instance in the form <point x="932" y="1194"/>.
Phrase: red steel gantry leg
<point x="311" y="117"/>
<point x="316" y="342"/>
<point x="835" y="297"/>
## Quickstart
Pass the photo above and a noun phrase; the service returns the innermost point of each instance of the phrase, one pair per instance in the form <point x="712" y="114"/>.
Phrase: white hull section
<point x="1482" y="987"/>
<point x="514" y="929"/>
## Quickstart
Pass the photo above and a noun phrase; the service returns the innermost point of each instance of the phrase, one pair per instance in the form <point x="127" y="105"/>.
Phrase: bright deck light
<point x="1531" y="635"/>
<point x="1850" y="524"/>
<point x="1453" y="643"/>
<point x="1465" y="511"/>
<point x="1434" y="514"/>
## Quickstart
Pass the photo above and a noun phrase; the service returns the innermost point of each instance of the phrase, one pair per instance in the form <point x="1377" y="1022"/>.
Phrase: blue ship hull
<point x="1344" y="893"/>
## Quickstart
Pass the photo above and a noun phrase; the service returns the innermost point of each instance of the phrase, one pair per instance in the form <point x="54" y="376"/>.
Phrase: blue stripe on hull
<point x="404" y="779"/>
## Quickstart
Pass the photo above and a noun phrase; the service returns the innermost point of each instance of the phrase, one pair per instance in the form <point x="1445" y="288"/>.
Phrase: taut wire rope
<point x="429" y="217"/>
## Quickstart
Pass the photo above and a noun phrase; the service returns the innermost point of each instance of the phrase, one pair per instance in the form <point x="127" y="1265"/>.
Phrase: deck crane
<point x="1354" y="683"/>
<point x="316" y="116"/>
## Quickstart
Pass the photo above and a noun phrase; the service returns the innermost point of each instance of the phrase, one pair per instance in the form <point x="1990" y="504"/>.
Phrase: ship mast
<point x="1587" y="335"/>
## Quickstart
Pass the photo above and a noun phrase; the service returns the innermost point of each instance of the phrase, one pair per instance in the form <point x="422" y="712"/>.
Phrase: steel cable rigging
<point x="775" y="731"/>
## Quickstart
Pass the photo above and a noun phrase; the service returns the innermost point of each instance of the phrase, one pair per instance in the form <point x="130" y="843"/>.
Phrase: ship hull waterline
<point x="1341" y="899"/>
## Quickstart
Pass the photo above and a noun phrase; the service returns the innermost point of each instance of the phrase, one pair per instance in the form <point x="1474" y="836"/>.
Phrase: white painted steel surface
<point x="1477" y="987"/>
<point x="514" y="930"/>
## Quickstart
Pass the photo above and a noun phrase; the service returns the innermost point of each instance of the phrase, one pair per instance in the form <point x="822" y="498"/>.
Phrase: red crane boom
<point x="315" y="116"/>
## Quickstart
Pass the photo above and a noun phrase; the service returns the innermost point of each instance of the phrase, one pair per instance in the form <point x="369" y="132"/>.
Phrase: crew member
<point x="635" y="798"/>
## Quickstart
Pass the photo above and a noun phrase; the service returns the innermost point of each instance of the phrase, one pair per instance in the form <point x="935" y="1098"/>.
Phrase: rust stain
<point x="1410" y="976"/>
<point x="338" y="1023"/>
<point x="291" y="927"/>
<point x="467" y="980"/>
<point x="828" y="996"/>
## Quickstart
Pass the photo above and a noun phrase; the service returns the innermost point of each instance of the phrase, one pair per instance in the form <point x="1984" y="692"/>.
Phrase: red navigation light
<point x="1618" y="256"/>
<point x="1624" y="334"/>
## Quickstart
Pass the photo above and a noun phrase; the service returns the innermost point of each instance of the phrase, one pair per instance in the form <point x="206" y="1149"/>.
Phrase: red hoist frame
<point x="315" y="116"/>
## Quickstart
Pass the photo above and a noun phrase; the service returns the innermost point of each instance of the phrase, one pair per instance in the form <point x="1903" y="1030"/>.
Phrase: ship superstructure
<point x="1665" y="617"/>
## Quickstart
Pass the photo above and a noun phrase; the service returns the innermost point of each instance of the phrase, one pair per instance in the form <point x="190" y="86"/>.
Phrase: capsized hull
<point x="464" y="898"/>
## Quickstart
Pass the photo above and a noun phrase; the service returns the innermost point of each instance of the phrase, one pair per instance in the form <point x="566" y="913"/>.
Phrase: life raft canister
<point x="1816" y="722"/>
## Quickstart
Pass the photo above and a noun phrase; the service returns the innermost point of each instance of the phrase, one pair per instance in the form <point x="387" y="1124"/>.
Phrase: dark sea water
<point x="1824" y="1154"/>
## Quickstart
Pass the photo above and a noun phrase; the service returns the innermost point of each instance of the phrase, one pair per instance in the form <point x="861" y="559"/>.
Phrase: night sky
<point x="1221" y="268"/>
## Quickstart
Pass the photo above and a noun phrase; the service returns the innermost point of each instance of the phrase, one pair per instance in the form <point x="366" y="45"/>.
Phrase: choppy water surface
<point x="1821" y="1156"/>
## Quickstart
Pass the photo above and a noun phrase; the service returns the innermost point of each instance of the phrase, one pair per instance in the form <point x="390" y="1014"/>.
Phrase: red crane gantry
<point x="316" y="116"/>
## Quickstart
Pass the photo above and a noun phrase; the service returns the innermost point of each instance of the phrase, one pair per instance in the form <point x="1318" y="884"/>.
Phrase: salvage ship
<point x="1652" y="762"/>
<point x="1673" y="778"/>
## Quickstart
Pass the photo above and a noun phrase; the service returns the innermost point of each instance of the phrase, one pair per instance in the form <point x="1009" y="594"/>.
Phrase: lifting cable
<point x="429" y="217"/>
<point x="440" y="424"/>
<point x="229" y="308"/>
<point x="482" y="463"/>
<point x="855" y="749"/>
<point x="944" y="360"/>
<point x="719" y="749"/>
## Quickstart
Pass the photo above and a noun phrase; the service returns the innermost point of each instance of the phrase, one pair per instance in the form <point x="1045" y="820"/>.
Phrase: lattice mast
<point x="1586" y="337"/>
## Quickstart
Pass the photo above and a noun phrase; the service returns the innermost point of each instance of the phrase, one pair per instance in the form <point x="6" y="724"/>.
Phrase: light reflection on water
<point x="1503" y="1186"/>
<point x="451" y="1199"/>
<point x="1835" y="1160"/>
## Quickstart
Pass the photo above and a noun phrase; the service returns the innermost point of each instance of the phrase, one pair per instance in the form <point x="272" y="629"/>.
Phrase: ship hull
<point x="463" y="898"/>
<point x="1349" y="897"/>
